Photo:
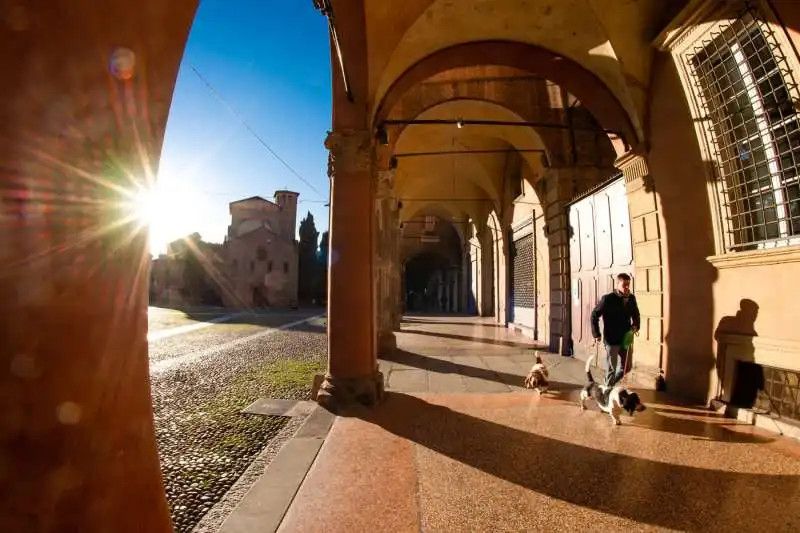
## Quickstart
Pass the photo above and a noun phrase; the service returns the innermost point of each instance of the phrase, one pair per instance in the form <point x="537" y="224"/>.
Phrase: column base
<point x="387" y="343"/>
<point x="338" y="393"/>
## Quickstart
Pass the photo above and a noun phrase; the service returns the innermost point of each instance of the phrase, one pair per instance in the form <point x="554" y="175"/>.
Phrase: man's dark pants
<point x="615" y="364"/>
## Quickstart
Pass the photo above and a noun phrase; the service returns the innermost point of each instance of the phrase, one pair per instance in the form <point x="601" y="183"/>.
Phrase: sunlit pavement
<point x="459" y="446"/>
<point x="206" y="365"/>
<point x="161" y="318"/>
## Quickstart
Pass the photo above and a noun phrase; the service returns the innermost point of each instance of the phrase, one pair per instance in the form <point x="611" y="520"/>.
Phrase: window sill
<point x="775" y="256"/>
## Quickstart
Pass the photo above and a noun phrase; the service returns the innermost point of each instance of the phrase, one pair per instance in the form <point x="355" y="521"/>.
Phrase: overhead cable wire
<point x="255" y="134"/>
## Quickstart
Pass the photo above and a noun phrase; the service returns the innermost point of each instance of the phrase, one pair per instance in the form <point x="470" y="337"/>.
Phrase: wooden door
<point x="576" y="283"/>
<point x="600" y="248"/>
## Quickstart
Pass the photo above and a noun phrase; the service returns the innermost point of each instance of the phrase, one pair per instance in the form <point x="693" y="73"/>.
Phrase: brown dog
<point x="538" y="378"/>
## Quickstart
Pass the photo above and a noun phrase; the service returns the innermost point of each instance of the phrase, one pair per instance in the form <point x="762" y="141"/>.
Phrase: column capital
<point x="350" y="151"/>
<point x="634" y="168"/>
<point x="632" y="164"/>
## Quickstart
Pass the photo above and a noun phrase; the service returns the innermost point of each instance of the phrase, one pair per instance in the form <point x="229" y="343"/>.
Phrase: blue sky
<point x="271" y="62"/>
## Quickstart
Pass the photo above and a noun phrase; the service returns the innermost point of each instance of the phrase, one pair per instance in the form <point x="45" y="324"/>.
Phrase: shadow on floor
<point x="661" y="494"/>
<point x="468" y="338"/>
<point x="442" y="366"/>
<point x="416" y="321"/>
<point x="670" y="415"/>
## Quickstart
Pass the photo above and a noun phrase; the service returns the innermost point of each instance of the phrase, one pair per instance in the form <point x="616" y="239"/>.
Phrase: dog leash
<point x="552" y="365"/>
<point x="626" y="370"/>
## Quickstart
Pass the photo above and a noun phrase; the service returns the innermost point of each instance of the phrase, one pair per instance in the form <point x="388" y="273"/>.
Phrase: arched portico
<point x="477" y="176"/>
<point x="71" y="328"/>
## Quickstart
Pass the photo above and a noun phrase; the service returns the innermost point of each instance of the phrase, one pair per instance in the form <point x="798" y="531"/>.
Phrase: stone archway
<point x="590" y="90"/>
<point x="497" y="238"/>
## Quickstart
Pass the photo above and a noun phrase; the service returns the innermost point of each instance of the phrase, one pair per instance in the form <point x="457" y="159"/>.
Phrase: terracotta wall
<point x="82" y="329"/>
<point x="772" y="287"/>
<point x="699" y="296"/>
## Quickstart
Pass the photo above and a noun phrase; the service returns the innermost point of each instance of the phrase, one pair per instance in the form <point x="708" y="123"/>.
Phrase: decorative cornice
<point x="516" y="226"/>
<point x="684" y="24"/>
<point x="775" y="256"/>
<point x="760" y="344"/>
<point x="633" y="166"/>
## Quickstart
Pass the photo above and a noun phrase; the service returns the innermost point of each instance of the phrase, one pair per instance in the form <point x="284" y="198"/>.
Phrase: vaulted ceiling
<point x="559" y="82"/>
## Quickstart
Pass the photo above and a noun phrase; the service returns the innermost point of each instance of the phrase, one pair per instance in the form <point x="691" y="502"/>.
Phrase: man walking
<point x="620" y="316"/>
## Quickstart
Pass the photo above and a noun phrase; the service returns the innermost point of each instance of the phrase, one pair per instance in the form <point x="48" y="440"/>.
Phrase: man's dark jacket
<point x="617" y="316"/>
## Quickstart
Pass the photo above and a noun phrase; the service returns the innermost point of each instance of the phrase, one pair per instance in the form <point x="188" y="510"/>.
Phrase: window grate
<point x="780" y="394"/>
<point x="523" y="293"/>
<point x="743" y="85"/>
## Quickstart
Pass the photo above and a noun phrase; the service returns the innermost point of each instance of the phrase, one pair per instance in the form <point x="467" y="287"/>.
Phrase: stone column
<point x="448" y="295"/>
<point x="647" y="256"/>
<point x="401" y="295"/>
<point x="439" y="291"/>
<point x="453" y="291"/>
<point x="486" y="273"/>
<point x="559" y="187"/>
<point x="466" y="268"/>
<point x="387" y="251"/>
<point x="456" y="290"/>
<point x="557" y="192"/>
<point x="82" y="129"/>
<point x="353" y="376"/>
<point x="396" y="272"/>
<point x="399" y="298"/>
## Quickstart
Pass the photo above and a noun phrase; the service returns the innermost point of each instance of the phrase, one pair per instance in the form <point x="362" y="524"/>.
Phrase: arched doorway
<point x="434" y="258"/>
<point x="260" y="299"/>
<point x="426" y="284"/>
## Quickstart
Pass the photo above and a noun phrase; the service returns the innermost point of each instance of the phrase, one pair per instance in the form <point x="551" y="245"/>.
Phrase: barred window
<point x="742" y="85"/>
<point x="523" y="292"/>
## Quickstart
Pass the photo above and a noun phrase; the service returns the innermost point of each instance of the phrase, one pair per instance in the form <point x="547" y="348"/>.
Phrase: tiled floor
<point x="447" y="453"/>
<point x="461" y="354"/>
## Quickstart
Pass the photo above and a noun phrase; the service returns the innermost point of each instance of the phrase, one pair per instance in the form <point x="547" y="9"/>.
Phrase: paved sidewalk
<point x="454" y="354"/>
<point x="514" y="462"/>
<point x="460" y="446"/>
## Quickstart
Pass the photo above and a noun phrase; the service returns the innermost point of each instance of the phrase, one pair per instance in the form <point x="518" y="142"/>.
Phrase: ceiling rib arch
<point x="587" y="87"/>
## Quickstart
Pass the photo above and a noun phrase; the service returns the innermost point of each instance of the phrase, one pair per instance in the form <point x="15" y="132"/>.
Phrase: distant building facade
<point x="261" y="253"/>
<point x="189" y="273"/>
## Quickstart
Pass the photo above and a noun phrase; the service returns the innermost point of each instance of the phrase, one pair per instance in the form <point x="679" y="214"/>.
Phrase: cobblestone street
<point x="206" y="366"/>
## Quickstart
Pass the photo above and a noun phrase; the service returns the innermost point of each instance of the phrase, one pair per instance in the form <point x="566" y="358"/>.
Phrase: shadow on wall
<point x="742" y="323"/>
<point x="577" y="474"/>
<point x="747" y="384"/>
<point x="678" y="173"/>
